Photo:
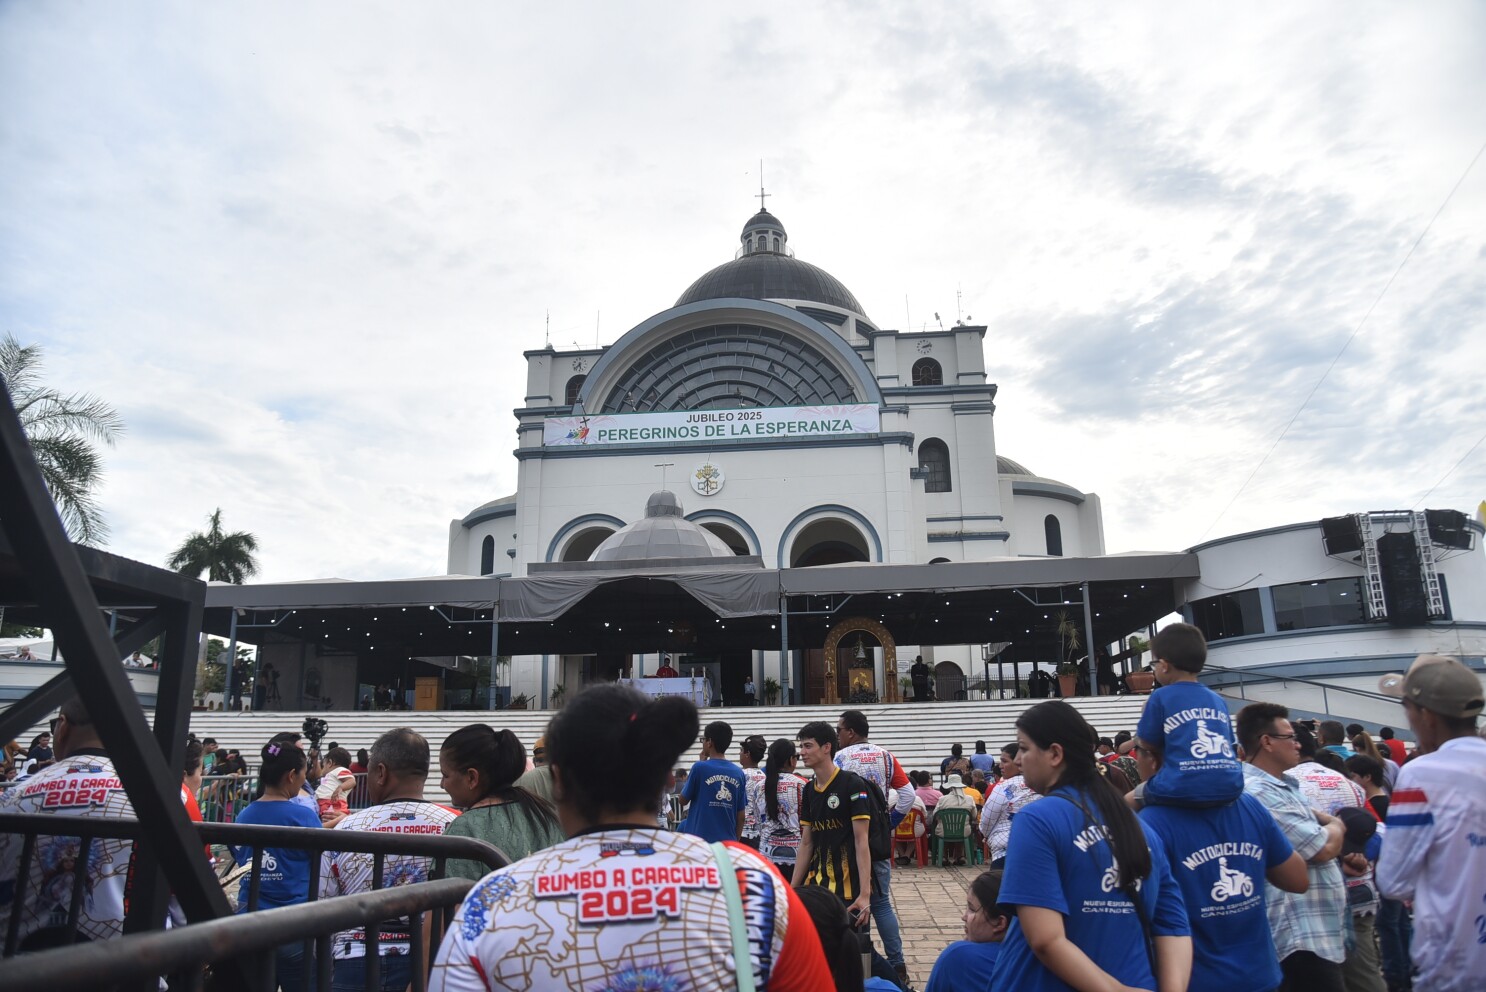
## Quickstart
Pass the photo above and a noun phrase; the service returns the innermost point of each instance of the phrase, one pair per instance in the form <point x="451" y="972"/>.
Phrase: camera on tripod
<point x="315" y="729"/>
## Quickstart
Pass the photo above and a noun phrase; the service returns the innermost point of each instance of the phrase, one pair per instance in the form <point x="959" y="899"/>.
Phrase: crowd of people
<point x="1184" y="855"/>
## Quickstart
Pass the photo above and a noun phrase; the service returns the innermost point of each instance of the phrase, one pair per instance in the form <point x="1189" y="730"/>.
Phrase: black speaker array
<point x="1403" y="586"/>
<point x="1447" y="529"/>
<point x="1340" y="535"/>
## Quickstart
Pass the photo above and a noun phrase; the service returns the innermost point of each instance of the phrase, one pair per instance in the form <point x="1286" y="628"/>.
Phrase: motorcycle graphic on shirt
<point x="1110" y="881"/>
<point x="1209" y="744"/>
<point x="1231" y="883"/>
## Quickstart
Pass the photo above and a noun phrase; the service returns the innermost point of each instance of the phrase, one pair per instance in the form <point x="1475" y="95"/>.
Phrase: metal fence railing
<point x="242" y="939"/>
<point x="222" y="797"/>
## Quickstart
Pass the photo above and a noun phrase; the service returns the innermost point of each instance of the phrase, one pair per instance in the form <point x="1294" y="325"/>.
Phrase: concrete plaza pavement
<point x="929" y="902"/>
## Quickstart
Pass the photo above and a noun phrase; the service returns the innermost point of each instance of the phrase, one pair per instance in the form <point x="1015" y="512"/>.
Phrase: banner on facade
<point x="712" y="425"/>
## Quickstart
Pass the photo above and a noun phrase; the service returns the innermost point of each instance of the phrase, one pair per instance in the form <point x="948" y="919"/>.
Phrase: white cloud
<point x="302" y="250"/>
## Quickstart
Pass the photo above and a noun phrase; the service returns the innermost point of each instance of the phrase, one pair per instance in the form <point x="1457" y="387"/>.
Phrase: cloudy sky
<point x="302" y="250"/>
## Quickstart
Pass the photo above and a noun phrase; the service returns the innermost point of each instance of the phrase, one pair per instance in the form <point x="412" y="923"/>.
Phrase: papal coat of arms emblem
<point x="707" y="480"/>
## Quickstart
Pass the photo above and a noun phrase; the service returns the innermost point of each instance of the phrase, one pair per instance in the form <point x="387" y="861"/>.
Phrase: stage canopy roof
<point x="686" y="607"/>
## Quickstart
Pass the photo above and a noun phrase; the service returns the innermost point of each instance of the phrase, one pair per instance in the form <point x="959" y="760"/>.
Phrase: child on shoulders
<point x="1190" y="725"/>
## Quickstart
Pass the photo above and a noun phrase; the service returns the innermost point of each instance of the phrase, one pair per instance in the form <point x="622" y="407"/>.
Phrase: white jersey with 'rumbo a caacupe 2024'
<point x="628" y="909"/>
<point x="348" y="873"/>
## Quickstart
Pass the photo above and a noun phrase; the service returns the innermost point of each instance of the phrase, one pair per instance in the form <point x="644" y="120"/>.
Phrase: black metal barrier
<point x="314" y="922"/>
<point x="187" y="950"/>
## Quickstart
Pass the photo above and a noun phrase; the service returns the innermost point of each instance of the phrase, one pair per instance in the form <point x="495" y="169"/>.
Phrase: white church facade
<point x="792" y="427"/>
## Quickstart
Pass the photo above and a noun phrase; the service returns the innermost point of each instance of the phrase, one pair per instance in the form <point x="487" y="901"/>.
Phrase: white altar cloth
<point x="698" y="690"/>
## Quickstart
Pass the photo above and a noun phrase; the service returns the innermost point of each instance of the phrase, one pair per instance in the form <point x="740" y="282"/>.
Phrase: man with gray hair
<point x="397" y="772"/>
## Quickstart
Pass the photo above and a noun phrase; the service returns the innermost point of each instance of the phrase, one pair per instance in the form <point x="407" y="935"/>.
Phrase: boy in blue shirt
<point x="1221" y="857"/>
<point x="716" y="789"/>
<point x="1189" y="726"/>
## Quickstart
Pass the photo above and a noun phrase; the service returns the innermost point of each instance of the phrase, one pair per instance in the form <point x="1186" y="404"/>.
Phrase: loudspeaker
<point x="1403" y="586"/>
<point x="1340" y="535"/>
<point x="1447" y="529"/>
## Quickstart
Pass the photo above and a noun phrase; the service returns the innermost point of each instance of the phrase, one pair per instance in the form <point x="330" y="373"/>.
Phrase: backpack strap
<point x="742" y="960"/>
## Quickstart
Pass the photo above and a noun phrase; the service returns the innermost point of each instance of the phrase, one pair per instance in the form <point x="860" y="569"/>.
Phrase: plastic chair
<point x="906" y="834"/>
<point x="953" y="826"/>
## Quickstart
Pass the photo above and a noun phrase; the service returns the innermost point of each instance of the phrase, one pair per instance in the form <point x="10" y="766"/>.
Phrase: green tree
<point x="64" y="431"/>
<point x="223" y="557"/>
<point x="212" y="676"/>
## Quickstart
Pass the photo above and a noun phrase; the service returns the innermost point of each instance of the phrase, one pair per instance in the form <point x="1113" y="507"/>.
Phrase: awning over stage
<point x="582" y="609"/>
<point x="548" y="593"/>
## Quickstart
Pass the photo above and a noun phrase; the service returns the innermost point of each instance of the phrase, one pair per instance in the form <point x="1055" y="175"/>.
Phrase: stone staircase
<point x="919" y="734"/>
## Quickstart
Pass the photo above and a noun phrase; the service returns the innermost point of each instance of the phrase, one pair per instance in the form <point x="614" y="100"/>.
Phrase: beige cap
<point x="1439" y="684"/>
<point x="954" y="782"/>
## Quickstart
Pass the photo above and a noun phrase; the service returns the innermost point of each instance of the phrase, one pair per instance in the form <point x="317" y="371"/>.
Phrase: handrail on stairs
<point x="1325" y="687"/>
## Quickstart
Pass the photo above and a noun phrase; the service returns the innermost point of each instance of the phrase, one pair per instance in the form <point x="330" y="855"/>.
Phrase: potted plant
<point x="554" y="697"/>
<point x="905" y="686"/>
<point x="1070" y="640"/>
<point x="771" y="690"/>
<point x="519" y="703"/>
<point x="1068" y="678"/>
<point x="1142" y="680"/>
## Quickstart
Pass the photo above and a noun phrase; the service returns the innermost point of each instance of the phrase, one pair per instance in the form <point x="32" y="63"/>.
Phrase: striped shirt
<point x="1435" y="854"/>
<point x="1002" y="804"/>
<point x="1314" y="920"/>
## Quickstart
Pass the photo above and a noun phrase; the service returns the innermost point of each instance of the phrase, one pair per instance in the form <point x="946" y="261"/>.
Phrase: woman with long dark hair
<point x="777" y="807"/>
<point x="624" y="904"/>
<point x="284" y="879"/>
<point x="1095" y="909"/>
<point x="480" y="766"/>
<point x="838" y="938"/>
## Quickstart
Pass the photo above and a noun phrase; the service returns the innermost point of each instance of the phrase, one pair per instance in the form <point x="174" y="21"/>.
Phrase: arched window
<point x="487" y="556"/>
<point x="926" y="372"/>
<point x="776" y="244"/>
<point x="575" y="386"/>
<point x="1054" y="534"/>
<point x="933" y="464"/>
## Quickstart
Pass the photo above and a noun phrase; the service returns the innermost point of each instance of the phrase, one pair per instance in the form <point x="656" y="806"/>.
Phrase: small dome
<point x="763" y="220"/>
<point x="663" y="533"/>
<point x="1005" y="466"/>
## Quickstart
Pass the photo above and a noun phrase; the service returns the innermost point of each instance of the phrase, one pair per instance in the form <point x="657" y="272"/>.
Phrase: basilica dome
<point x="765" y="269"/>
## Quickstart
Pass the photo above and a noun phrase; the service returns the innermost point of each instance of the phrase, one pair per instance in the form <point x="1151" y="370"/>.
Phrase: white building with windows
<point x="794" y="429"/>
<point x="1293" y="614"/>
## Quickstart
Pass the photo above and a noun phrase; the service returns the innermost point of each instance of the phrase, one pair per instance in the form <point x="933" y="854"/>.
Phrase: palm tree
<point x="63" y="431"/>
<point x="223" y="557"/>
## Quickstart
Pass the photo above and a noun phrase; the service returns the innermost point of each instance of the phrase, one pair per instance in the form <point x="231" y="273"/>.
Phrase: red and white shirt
<point x="1435" y="854"/>
<point x="628" y="908"/>
<point x="83" y="785"/>
<point x="753" y="786"/>
<point x="347" y="873"/>
<point x="881" y="769"/>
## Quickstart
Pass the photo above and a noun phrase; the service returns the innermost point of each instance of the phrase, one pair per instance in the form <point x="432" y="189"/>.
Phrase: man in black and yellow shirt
<point x="834" y="816"/>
